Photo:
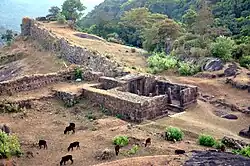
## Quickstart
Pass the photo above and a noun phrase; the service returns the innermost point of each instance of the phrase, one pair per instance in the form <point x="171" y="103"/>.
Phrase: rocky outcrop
<point x="212" y="64"/>
<point x="105" y="154"/>
<point x="233" y="143"/>
<point x="236" y="84"/>
<point x="212" y="158"/>
<point x="245" y="133"/>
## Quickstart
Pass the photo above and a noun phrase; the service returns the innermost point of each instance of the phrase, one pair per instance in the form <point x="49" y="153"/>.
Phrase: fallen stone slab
<point x="213" y="158"/>
<point x="230" y="116"/>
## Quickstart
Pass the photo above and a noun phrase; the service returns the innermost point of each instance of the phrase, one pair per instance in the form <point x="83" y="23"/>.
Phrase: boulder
<point x="245" y="133"/>
<point x="230" y="116"/>
<point x="233" y="143"/>
<point x="212" y="64"/>
<point x="105" y="154"/>
<point x="230" y="71"/>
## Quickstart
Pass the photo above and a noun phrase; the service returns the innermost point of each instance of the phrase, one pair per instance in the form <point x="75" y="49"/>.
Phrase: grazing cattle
<point x="148" y="141"/>
<point x="43" y="143"/>
<point x="69" y="128"/>
<point x="74" y="144"/>
<point x="117" y="149"/>
<point x="65" y="159"/>
<point x="179" y="151"/>
<point x="6" y="129"/>
<point x="72" y="125"/>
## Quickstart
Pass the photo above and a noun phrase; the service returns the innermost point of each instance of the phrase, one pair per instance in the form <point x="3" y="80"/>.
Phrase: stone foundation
<point x="32" y="82"/>
<point x="157" y="97"/>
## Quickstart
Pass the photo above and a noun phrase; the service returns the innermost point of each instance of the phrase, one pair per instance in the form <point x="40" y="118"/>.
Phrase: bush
<point x="134" y="149"/>
<point x="61" y="19"/>
<point x="174" y="134"/>
<point x="188" y="69"/>
<point x="121" y="140"/>
<point x="223" y="48"/>
<point x="245" y="61"/>
<point x="244" y="152"/>
<point x="159" y="62"/>
<point x="207" y="140"/>
<point x="199" y="52"/>
<point x="78" y="73"/>
<point x="218" y="145"/>
<point x="9" y="145"/>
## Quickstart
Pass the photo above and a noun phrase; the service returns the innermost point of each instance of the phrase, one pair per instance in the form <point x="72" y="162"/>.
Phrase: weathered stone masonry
<point x="152" y="99"/>
<point x="72" y="53"/>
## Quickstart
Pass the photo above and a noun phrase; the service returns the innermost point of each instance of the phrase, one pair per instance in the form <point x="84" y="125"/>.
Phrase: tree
<point x="204" y="19"/>
<point x="54" y="10"/>
<point x="160" y="36"/>
<point x="8" y="36"/>
<point x="72" y="9"/>
<point x="223" y="48"/>
<point x="189" y="18"/>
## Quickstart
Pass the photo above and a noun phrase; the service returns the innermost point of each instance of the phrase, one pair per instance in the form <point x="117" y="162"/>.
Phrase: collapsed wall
<point x="68" y="51"/>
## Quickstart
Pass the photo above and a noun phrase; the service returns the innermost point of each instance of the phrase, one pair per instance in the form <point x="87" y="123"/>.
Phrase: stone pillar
<point x="169" y="93"/>
<point x="138" y="92"/>
<point x="157" y="90"/>
<point x="182" y="97"/>
<point x="26" y="26"/>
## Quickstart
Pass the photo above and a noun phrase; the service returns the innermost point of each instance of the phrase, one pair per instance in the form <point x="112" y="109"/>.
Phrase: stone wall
<point x="69" y="99"/>
<point x="129" y="110"/>
<point x="68" y="51"/>
<point x="31" y="82"/>
<point x="188" y="96"/>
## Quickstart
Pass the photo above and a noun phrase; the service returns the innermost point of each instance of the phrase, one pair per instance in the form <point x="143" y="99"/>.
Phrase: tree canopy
<point x="72" y="9"/>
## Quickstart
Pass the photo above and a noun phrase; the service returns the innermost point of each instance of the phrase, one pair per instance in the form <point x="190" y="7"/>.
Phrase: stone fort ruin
<point x="135" y="97"/>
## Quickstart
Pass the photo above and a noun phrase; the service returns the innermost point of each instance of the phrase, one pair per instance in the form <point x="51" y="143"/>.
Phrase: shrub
<point x="61" y="19"/>
<point x="218" y="144"/>
<point x="174" y="134"/>
<point x="90" y="116"/>
<point x="187" y="69"/>
<point x="134" y="149"/>
<point x="199" y="52"/>
<point x="9" y="145"/>
<point x="121" y="140"/>
<point x="78" y="73"/>
<point x="159" y="62"/>
<point x="223" y="48"/>
<point x="244" y="152"/>
<point x="207" y="140"/>
<point x="245" y="61"/>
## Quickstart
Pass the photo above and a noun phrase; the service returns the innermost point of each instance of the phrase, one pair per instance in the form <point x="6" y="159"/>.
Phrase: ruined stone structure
<point x="68" y="51"/>
<point x="135" y="97"/>
<point x="139" y="97"/>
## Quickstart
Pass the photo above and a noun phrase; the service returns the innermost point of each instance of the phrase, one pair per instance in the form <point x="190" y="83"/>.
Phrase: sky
<point x="12" y="11"/>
